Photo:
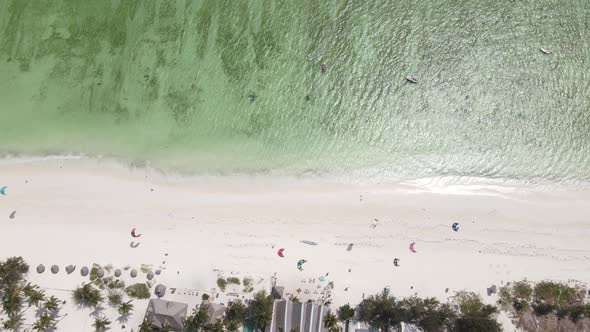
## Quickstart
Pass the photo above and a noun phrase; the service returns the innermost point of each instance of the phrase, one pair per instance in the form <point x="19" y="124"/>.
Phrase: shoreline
<point x="444" y="184"/>
<point x="80" y="211"/>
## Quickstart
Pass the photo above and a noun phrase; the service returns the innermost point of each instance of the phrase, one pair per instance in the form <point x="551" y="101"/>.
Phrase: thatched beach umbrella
<point x="84" y="271"/>
<point x="160" y="290"/>
<point x="133" y="273"/>
<point x="117" y="273"/>
<point x="40" y="268"/>
<point x="99" y="273"/>
<point x="150" y="275"/>
<point x="54" y="269"/>
<point x="70" y="268"/>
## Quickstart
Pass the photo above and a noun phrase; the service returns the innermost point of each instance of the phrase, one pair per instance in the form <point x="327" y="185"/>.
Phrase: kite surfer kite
<point x="134" y="234"/>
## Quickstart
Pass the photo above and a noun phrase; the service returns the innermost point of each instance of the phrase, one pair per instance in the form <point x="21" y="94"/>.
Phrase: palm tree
<point x="101" y="324"/>
<point x="43" y="323"/>
<point x="12" y="271"/>
<point x="232" y="326"/>
<point x="331" y="322"/>
<point x="33" y="294"/>
<point x="146" y="326"/>
<point x="236" y="311"/>
<point x="293" y="298"/>
<point x="12" y="300"/>
<point x="217" y="327"/>
<point x="345" y="313"/>
<point x="125" y="308"/>
<point x="13" y="322"/>
<point x="197" y="320"/>
<point x="52" y="304"/>
<point x="261" y="309"/>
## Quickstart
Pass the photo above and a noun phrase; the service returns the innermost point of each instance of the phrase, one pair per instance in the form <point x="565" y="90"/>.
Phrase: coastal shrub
<point x="519" y="305"/>
<point x="554" y="293"/>
<point x="145" y="268"/>
<point x="505" y="296"/>
<point x="221" y="283"/>
<point x="138" y="291"/>
<point x="115" y="283"/>
<point x="542" y="309"/>
<point x="87" y="296"/>
<point x="233" y="280"/>
<point x="94" y="272"/>
<point x="522" y="290"/>
<point x="469" y="303"/>
<point x="577" y="312"/>
<point x="247" y="282"/>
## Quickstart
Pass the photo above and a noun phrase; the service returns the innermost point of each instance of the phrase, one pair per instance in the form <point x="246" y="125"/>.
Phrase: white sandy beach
<point x="81" y="211"/>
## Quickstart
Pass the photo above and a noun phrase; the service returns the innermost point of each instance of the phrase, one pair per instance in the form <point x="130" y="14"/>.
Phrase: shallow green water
<point x="173" y="82"/>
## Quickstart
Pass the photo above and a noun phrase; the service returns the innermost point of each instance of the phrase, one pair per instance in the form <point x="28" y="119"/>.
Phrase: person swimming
<point x="324" y="67"/>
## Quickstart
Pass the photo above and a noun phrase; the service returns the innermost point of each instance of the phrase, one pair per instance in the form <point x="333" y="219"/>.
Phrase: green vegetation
<point x="52" y="304"/>
<point x="221" y="283"/>
<point x="233" y="281"/>
<point x="12" y="271"/>
<point x="545" y="298"/>
<point x="44" y="323"/>
<point x="145" y="268"/>
<point x="115" y="299"/>
<point x="94" y="272"/>
<point x="345" y="313"/>
<point x="33" y="294"/>
<point x="384" y="312"/>
<point x="217" y="327"/>
<point x="17" y="296"/>
<point x="101" y="323"/>
<point x="475" y="316"/>
<point x="138" y="291"/>
<point x="232" y="326"/>
<point x="87" y="296"/>
<point x="554" y="293"/>
<point x="125" y="308"/>
<point x="260" y="309"/>
<point x="236" y="312"/>
<point x="205" y="297"/>
<point x="196" y="321"/>
<point x="247" y="282"/>
<point x="331" y="322"/>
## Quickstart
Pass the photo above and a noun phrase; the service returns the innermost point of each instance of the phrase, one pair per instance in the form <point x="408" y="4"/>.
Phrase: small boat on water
<point x="545" y="51"/>
<point x="411" y="79"/>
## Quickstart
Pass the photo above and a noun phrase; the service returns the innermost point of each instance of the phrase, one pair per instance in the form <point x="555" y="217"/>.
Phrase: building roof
<point x="162" y="313"/>
<point x="215" y="312"/>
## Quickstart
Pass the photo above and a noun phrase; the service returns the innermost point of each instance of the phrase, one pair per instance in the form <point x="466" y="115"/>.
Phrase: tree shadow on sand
<point x="123" y="319"/>
<point x="97" y="312"/>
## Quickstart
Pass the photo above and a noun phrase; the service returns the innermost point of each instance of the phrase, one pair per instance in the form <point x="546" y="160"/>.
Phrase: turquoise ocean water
<point x="235" y="86"/>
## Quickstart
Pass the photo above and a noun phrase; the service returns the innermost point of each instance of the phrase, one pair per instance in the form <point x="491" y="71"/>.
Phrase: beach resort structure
<point x="162" y="313"/>
<point x="302" y="317"/>
<point x="215" y="312"/>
